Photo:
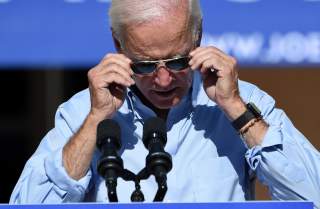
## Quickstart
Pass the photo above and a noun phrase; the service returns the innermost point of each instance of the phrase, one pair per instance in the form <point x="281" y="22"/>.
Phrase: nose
<point x="163" y="77"/>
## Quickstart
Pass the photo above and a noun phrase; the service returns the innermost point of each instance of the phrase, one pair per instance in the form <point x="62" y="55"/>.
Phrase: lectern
<point x="220" y="205"/>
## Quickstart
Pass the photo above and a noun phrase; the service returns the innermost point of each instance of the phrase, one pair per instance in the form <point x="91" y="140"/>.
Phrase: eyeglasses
<point x="146" y="67"/>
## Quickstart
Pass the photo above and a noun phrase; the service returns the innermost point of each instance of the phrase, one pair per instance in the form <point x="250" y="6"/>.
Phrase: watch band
<point x="243" y="120"/>
<point x="251" y="113"/>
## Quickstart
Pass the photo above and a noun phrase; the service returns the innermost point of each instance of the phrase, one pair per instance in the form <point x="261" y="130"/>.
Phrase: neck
<point x="161" y="113"/>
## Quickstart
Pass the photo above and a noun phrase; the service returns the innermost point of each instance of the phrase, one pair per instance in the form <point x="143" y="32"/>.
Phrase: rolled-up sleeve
<point x="68" y="189"/>
<point x="285" y="161"/>
<point x="44" y="178"/>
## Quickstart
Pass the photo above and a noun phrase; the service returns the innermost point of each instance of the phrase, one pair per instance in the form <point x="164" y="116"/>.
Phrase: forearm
<point x="78" y="152"/>
<point x="44" y="178"/>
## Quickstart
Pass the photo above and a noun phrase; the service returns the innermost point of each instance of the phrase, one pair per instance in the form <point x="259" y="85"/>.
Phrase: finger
<point x="201" y="50"/>
<point x="120" y="56"/>
<point x="209" y="50"/>
<point x="116" y="78"/>
<point x="114" y="68"/>
<point x="118" y="59"/>
<point x="224" y="57"/>
<point x="202" y="54"/>
<point x="208" y="57"/>
<point x="196" y="62"/>
<point x="210" y="64"/>
<point x="219" y="51"/>
<point x="125" y="57"/>
<point x="110" y="75"/>
<point x="120" y="63"/>
<point x="226" y="62"/>
<point x="106" y="80"/>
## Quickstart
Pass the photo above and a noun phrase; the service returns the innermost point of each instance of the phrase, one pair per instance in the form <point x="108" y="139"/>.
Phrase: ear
<point x="116" y="42"/>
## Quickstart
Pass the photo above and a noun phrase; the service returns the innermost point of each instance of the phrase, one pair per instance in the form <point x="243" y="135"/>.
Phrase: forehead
<point x="159" y="38"/>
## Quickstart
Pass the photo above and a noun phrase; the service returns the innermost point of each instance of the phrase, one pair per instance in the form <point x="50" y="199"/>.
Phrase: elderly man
<point x="160" y="70"/>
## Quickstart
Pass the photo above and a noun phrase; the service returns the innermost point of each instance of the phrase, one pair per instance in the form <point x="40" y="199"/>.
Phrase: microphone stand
<point x="112" y="190"/>
<point x="162" y="188"/>
<point x="161" y="179"/>
<point x="137" y="195"/>
<point x="117" y="170"/>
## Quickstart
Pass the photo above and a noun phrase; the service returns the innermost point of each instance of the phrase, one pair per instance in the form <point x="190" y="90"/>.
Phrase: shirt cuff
<point x="272" y="138"/>
<point x="73" y="189"/>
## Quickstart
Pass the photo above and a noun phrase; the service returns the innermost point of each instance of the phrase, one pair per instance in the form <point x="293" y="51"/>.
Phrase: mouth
<point x="165" y="93"/>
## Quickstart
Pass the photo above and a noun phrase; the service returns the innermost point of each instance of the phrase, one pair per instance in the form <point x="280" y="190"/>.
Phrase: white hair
<point x="125" y="12"/>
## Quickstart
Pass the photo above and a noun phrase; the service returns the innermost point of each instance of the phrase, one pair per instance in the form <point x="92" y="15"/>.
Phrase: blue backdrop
<point x="75" y="33"/>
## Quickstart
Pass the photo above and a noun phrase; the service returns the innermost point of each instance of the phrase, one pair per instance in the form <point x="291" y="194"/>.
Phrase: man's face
<point x="158" y="40"/>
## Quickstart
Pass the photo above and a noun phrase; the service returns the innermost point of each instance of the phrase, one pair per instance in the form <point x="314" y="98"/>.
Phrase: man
<point x="160" y="70"/>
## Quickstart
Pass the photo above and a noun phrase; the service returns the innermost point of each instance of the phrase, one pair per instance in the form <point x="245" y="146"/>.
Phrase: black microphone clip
<point x="158" y="161"/>
<point x="110" y="165"/>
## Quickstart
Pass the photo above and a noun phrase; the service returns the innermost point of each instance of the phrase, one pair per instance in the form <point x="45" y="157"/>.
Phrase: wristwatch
<point x="251" y="113"/>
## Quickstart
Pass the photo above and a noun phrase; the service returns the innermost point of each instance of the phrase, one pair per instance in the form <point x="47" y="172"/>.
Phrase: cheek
<point x="185" y="78"/>
<point x="143" y="83"/>
<point x="141" y="80"/>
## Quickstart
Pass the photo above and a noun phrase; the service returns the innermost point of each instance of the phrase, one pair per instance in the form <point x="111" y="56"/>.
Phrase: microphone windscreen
<point x="108" y="129"/>
<point x="154" y="125"/>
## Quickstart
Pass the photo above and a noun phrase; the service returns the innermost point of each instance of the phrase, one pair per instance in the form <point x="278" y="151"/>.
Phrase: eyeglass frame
<point x="157" y="62"/>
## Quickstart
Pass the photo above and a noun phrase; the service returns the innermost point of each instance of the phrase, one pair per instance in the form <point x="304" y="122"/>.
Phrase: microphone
<point x="158" y="162"/>
<point x="110" y="165"/>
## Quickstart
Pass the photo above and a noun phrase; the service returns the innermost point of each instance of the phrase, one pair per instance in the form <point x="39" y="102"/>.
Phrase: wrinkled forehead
<point x="160" y="37"/>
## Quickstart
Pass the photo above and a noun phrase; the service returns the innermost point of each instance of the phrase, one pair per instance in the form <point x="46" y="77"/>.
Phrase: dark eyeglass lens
<point x="143" y="68"/>
<point x="178" y="64"/>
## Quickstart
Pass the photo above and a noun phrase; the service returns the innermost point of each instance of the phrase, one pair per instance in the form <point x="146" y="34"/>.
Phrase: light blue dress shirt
<point x="210" y="161"/>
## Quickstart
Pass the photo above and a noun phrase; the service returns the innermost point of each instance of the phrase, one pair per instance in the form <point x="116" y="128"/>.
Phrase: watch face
<point x="254" y="109"/>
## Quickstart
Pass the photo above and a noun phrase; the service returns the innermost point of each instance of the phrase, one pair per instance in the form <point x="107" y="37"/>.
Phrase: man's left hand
<point x="220" y="78"/>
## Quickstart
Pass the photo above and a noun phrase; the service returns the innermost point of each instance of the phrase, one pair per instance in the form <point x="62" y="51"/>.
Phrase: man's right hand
<point x="107" y="84"/>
